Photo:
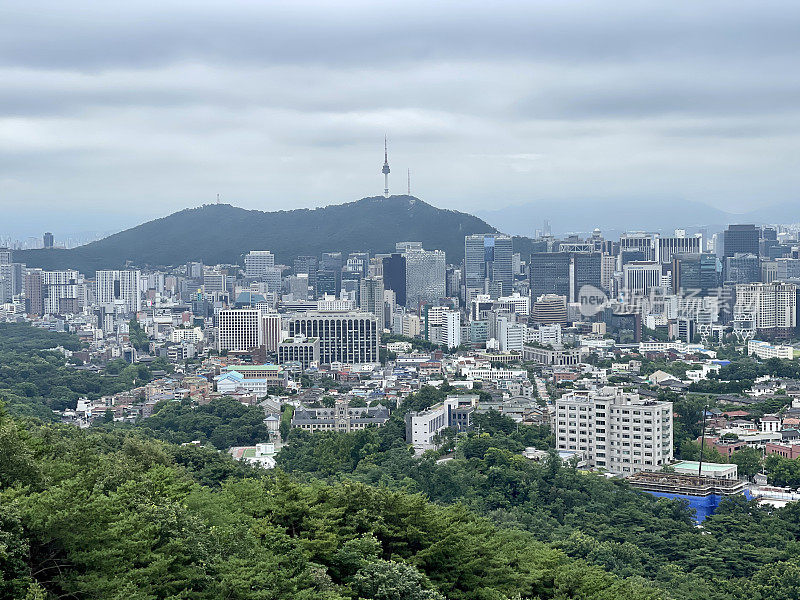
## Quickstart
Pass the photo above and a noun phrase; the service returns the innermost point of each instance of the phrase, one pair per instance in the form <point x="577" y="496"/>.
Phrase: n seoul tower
<point x="385" y="169"/>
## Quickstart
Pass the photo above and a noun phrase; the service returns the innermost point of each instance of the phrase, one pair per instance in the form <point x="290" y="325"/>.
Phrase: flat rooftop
<point x="707" y="466"/>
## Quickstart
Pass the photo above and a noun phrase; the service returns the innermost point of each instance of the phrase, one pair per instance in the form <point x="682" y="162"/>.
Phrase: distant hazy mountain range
<point x="615" y="216"/>
<point x="220" y="233"/>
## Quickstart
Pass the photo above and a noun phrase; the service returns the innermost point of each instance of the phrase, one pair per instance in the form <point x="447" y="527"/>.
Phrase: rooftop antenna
<point x="409" y="182"/>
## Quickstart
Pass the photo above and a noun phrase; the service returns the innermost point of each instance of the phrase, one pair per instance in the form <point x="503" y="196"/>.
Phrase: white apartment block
<point x="239" y="329"/>
<point x="191" y="334"/>
<point x="444" y="326"/>
<point x="491" y="374"/>
<point x="615" y="430"/>
<point x="120" y="288"/>
<point x="422" y="426"/>
<point x="258" y="263"/>
<point x="770" y="307"/>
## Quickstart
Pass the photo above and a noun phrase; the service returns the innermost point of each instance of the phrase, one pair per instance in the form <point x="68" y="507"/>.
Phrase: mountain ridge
<point x="222" y="233"/>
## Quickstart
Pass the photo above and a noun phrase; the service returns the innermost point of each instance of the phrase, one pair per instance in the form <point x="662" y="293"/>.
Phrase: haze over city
<point x="114" y="114"/>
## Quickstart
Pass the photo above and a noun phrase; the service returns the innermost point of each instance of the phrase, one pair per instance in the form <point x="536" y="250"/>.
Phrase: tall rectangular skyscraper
<point x="119" y="287"/>
<point x="258" y="262"/>
<point x="488" y="262"/>
<point x="394" y="276"/>
<point x="371" y="297"/>
<point x="426" y="276"/>
<point x="740" y="239"/>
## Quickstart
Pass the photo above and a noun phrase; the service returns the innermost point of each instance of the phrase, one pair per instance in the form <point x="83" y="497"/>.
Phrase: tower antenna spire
<point x="385" y="169"/>
<point x="409" y="182"/>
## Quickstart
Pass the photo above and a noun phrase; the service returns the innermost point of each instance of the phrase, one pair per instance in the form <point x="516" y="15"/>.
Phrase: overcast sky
<point x="123" y="111"/>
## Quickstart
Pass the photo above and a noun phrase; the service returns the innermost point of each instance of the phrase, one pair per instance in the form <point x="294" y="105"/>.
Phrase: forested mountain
<point x="221" y="233"/>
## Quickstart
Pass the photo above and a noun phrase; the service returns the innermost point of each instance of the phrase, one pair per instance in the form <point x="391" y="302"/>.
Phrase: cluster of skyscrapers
<point x="334" y="306"/>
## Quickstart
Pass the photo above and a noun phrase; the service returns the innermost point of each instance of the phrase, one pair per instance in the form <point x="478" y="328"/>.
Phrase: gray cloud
<point x="143" y="108"/>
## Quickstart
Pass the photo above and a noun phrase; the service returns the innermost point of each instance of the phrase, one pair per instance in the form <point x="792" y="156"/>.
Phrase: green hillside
<point x="223" y="233"/>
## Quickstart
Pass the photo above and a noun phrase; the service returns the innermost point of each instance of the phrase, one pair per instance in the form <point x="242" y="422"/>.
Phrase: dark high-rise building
<point x="488" y="258"/>
<point x="769" y="233"/>
<point x="628" y="326"/>
<point x="48" y="240"/>
<point x="327" y="282"/>
<point x="695" y="273"/>
<point x="394" y="276"/>
<point x="585" y="271"/>
<point x="550" y="273"/>
<point x="564" y="273"/>
<point x="740" y="239"/>
<point x="742" y="268"/>
<point x="332" y="261"/>
<point x="34" y="293"/>
<point x="308" y="265"/>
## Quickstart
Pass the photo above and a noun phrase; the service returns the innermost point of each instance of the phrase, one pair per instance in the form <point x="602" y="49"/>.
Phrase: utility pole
<point x="702" y="440"/>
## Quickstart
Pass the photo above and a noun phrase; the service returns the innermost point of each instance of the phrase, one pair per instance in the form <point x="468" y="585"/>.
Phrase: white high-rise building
<point x="680" y="243"/>
<point x="770" y="307"/>
<point x="640" y="276"/>
<point x="510" y="335"/>
<point x="121" y="288"/>
<point x="271" y="331"/>
<point x="615" y="430"/>
<point x="239" y="329"/>
<point x="258" y="263"/>
<point x="444" y="326"/>
<point x="426" y="276"/>
<point x="371" y="297"/>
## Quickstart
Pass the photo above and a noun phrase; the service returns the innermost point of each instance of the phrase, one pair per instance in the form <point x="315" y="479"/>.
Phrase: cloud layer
<point x="114" y="111"/>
